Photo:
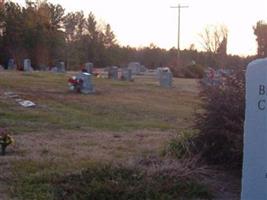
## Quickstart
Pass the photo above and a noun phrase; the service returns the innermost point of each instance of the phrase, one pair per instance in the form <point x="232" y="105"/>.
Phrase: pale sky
<point x="141" y="22"/>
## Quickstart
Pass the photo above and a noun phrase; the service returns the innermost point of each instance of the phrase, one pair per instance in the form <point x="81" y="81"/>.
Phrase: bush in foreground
<point x="220" y="138"/>
<point x="148" y="177"/>
<point x="107" y="182"/>
<point x="218" y="131"/>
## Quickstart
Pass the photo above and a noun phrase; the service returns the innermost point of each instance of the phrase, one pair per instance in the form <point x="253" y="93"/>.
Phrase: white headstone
<point x="27" y="66"/>
<point x="254" y="179"/>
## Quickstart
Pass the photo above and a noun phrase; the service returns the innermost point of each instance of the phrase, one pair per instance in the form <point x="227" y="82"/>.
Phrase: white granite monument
<point x="254" y="178"/>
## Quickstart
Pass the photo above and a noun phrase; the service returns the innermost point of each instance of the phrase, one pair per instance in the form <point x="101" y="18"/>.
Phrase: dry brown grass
<point x="122" y="122"/>
<point x="68" y="131"/>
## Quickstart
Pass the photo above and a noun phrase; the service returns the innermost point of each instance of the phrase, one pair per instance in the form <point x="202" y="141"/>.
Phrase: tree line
<point x="46" y="34"/>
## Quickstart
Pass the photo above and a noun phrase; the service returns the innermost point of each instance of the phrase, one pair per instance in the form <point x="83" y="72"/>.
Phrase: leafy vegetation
<point x="218" y="131"/>
<point x="193" y="71"/>
<point x="221" y="125"/>
<point x="182" y="145"/>
<point x="107" y="182"/>
<point x="46" y="34"/>
<point x="104" y="181"/>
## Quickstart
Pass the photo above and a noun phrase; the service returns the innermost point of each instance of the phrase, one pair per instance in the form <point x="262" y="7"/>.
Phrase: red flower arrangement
<point x="75" y="84"/>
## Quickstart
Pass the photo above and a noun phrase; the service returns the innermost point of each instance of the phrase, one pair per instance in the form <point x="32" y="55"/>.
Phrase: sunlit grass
<point x="117" y="106"/>
<point x="67" y="132"/>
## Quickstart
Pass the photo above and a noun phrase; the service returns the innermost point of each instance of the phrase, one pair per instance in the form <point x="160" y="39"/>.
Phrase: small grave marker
<point x="166" y="79"/>
<point x="89" y="67"/>
<point x="11" y="64"/>
<point x="61" y="67"/>
<point x="135" y="67"/>
<point x="27" y="66"/>
<point x="127" y="74"/>
<point x="113" y="73"/>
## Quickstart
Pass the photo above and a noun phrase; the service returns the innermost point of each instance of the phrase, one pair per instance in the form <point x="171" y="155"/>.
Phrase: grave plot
<point x="82" y="83"/>
<point x="19" y="100"/>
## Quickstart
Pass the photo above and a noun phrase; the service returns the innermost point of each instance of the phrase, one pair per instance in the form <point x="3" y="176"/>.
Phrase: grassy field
<point x="117" y="106"/>
<point x="67" y="133"/>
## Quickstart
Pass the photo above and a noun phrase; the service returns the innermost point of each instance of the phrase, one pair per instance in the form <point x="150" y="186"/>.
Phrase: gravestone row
<point x="115" y="73"/>
<point x="26" y="65"/>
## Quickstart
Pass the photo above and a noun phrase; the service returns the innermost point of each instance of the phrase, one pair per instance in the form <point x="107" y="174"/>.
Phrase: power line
<point x="179" y="19"/>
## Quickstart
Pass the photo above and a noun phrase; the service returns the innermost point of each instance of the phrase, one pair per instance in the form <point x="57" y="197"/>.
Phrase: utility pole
<point x="178" y="39"/>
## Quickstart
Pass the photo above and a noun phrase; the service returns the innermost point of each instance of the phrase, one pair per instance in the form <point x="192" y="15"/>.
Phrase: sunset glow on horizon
<point x="139" y="23"/>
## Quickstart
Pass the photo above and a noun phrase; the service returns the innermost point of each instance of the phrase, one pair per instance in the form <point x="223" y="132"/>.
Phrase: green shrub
<point x="221" y="125"/>
<point x="193" y="71"/>
<point x="182" y="145"/>
<point x="107" y="182"/>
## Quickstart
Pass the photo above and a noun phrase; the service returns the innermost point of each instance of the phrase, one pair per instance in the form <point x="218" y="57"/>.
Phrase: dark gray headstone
<point x="11" y="64"/>
<point x="61" y="67"/>
<point x="127" y="74"/>
<point x="254" y="178"/>
<point x="143" y="68"/>
<point x="113" y="73"/>
<point x="166" y="79"/>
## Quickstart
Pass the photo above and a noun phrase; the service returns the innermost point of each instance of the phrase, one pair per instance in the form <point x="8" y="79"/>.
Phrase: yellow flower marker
<point x="5" y="140"/>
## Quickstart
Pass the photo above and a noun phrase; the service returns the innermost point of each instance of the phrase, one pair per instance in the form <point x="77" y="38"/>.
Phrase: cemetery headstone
<point x="43" y="67"/>
<point x="89" y="67"/>
<point x="82" y="83"/>
<point x="135" y="67"/>
<point x="254" y="178"/>
<point x="61" y="67"/>
<point x="127" y="74"/>
<point x="166" y="79"/>
<point x="11" y="64"/>
<point x="143" y="68"/>
<point x="113" y="73"/>
<point x="27" y="65"/>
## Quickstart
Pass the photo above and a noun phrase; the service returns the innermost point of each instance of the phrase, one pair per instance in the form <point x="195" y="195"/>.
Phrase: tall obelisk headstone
<point x="254" y="179"/>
